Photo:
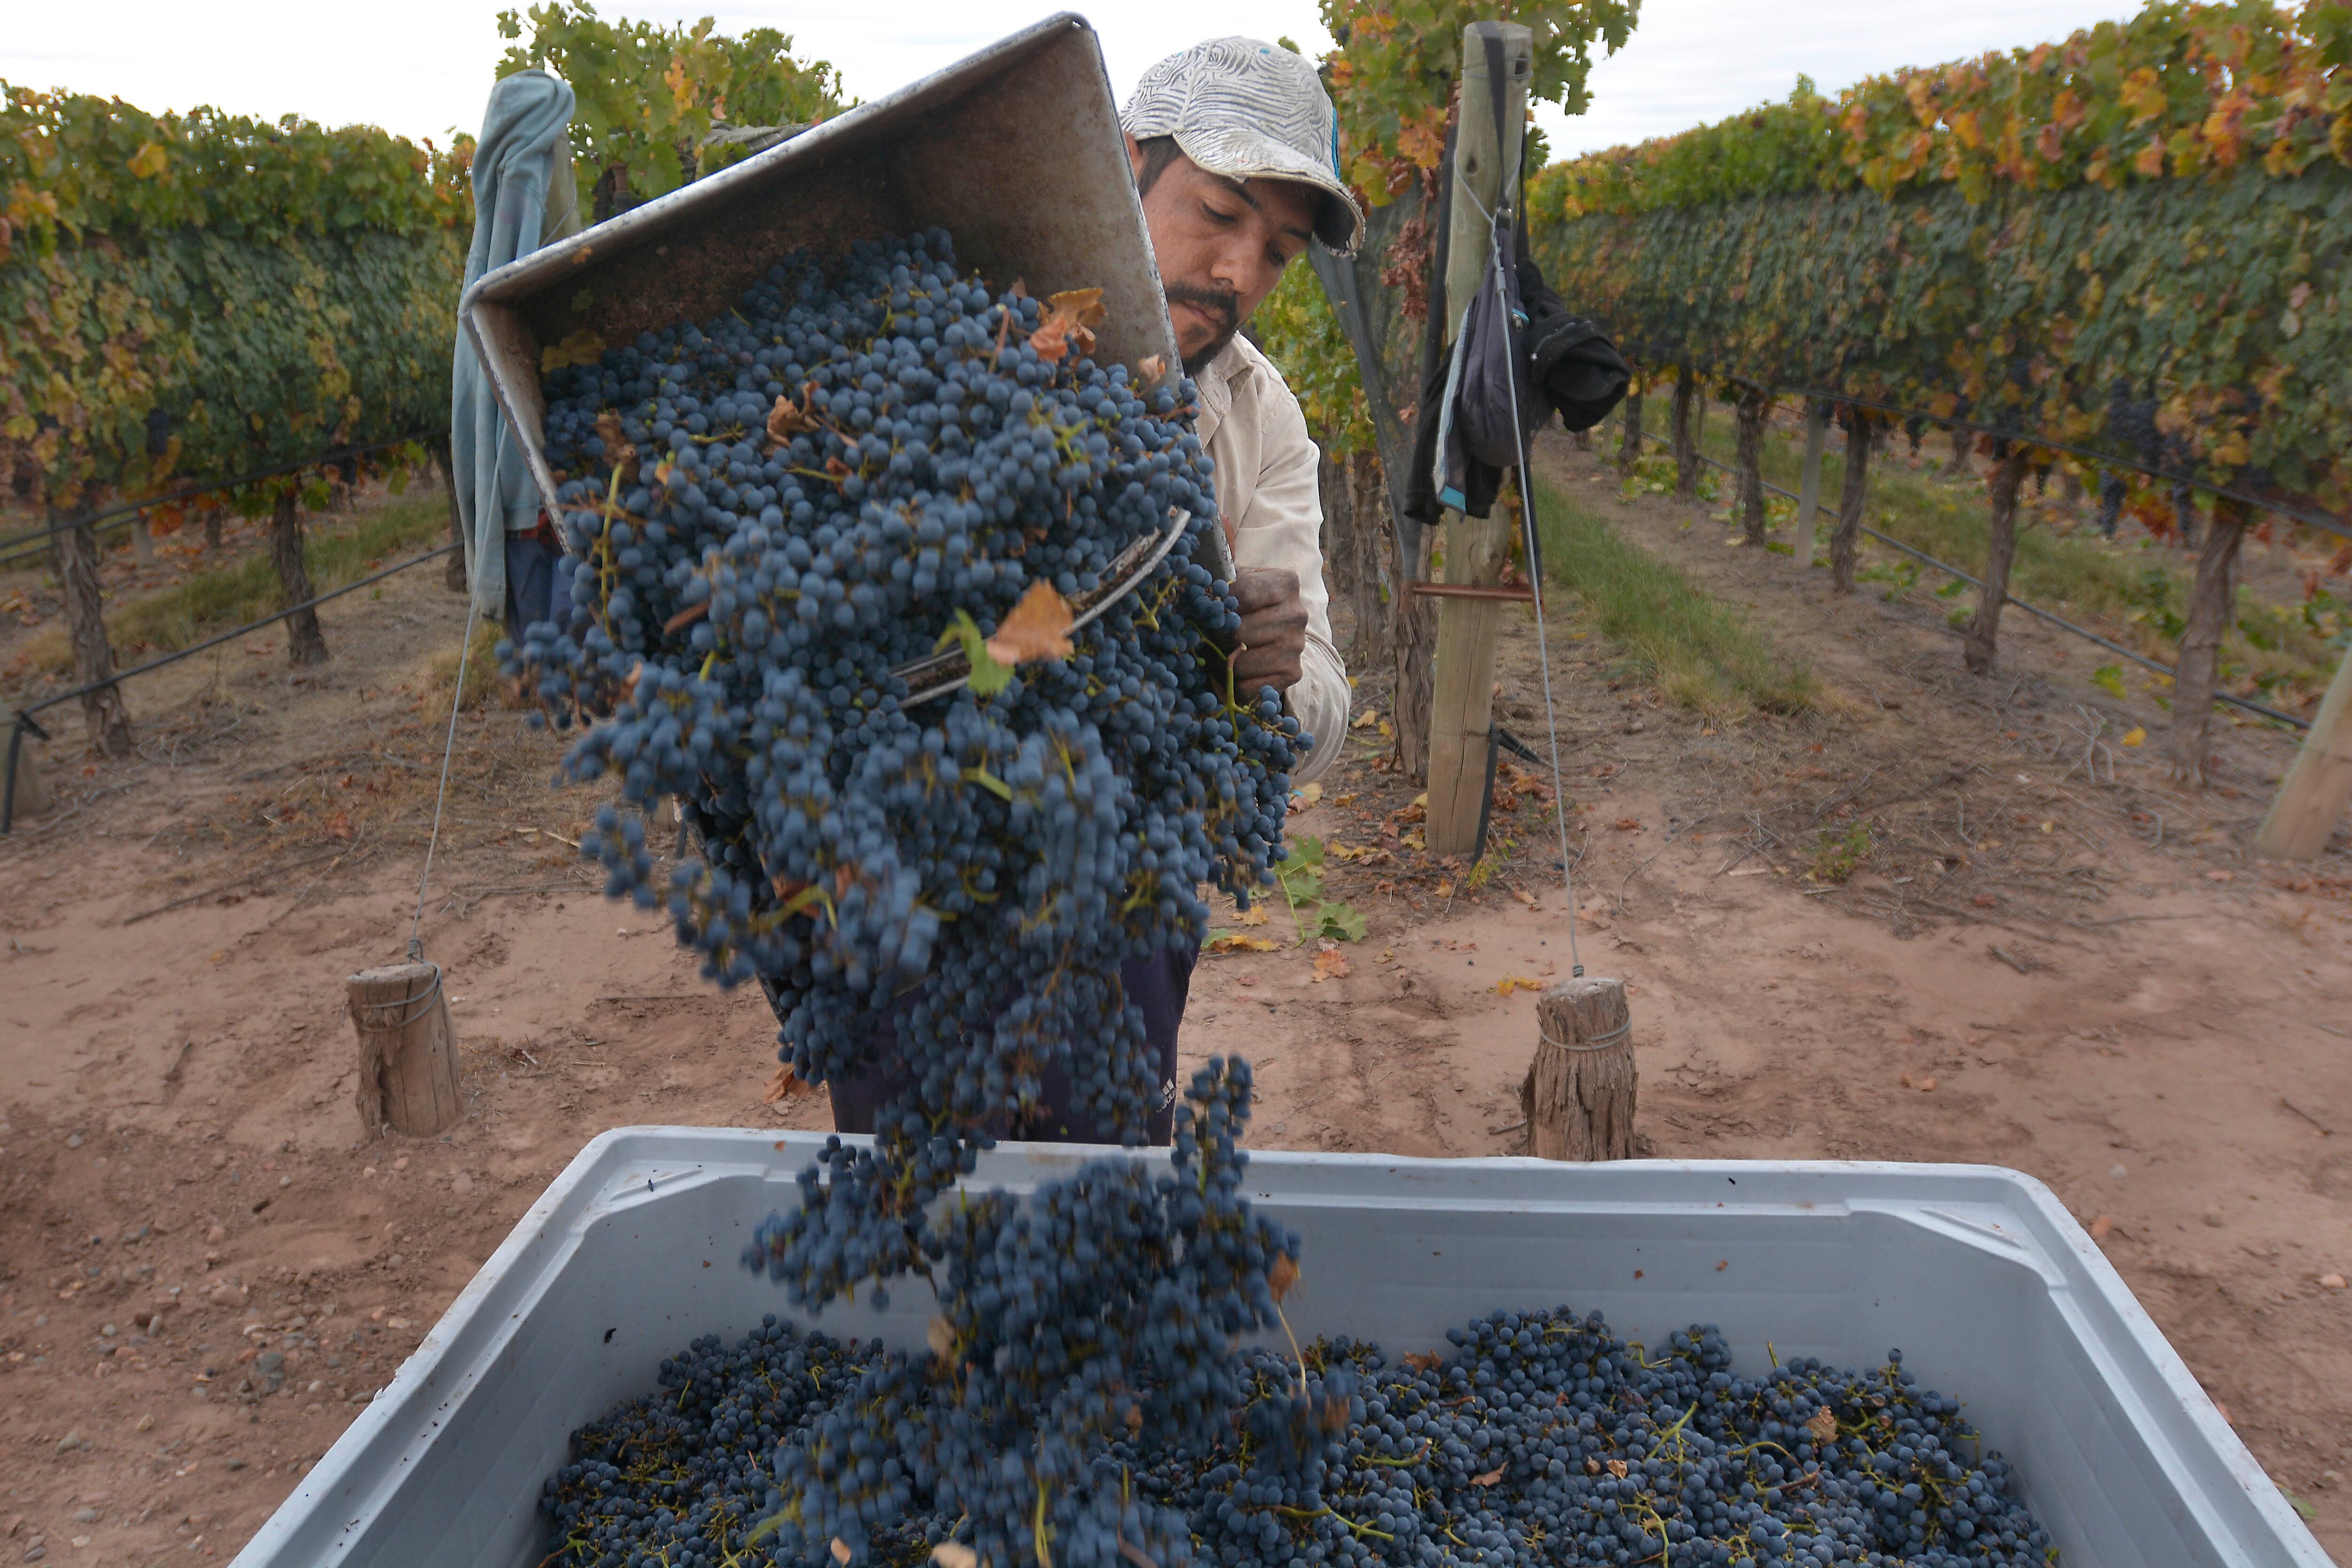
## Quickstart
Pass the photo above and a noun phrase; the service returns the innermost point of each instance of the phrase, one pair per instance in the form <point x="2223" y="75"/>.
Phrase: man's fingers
<point x="1262" y="587"/>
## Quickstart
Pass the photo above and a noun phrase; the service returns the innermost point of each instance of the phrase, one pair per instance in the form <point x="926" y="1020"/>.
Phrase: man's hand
<point x="1272" y="641"/>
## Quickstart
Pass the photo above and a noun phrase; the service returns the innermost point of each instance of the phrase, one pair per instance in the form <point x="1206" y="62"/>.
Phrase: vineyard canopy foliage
<point x="202" y="294"/>
<point x="650" y="96"/>
<point x="2132" y="241"/>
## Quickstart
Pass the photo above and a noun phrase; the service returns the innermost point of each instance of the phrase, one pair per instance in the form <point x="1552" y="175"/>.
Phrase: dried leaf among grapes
<point x="840" y="1550"/>
<point x="1281" y="1275"/>
<point x="619" y="450"/>
<point x="954" y="1554"/>
<point x="1423" y="1360"/>
<point x="939" y="1337"/>
<point x="1149" y="369"/>
<point x="1038" y="627"/>
<point x="1823" y="1424"/>
<point x="1071" y="317"/>
<point x="788" y="419"/>
<point x="1489" y="1479"/>
<point x="1617" y="1468"/>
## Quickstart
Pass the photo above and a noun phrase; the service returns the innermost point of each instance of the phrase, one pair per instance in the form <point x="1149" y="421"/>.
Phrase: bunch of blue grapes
<point x="767" y="517"/>
<point x="1105" y="1309"/>
<point x="1538" y="1439"/>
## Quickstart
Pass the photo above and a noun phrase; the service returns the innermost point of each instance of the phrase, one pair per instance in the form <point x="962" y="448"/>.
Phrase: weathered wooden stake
<point x="1754" y="405"/>
<point x="408" y="1050"/>
<point x="1486" y="172"/>
<point x="33" y="797"/>
<point x="2311" y="797"/>
<point x="1809" y="487"/>
<point x="1578" y="1093"/>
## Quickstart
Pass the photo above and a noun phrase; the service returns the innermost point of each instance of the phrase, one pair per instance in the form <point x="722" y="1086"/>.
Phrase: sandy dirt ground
<point x="2051" y="960"/>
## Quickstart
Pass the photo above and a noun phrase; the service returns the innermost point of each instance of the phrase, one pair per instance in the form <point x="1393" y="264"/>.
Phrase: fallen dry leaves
<point x="1233" y="942"/>
<point x="1330" y="964"/>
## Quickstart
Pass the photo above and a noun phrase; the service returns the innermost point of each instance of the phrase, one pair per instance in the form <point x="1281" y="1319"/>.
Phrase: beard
<point x="1224" y="307"/>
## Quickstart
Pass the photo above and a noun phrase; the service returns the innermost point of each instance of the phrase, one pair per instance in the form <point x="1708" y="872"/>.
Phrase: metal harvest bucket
<point x="1016" y="150"/>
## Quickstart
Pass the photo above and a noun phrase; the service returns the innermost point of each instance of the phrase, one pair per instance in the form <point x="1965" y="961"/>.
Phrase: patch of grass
<point x="2138" y="588"/>
<point x="483" y="681"/>
<point x="246" y="589"/>
<point x="1839" y="856"/>
<point x="1700" y="651"/>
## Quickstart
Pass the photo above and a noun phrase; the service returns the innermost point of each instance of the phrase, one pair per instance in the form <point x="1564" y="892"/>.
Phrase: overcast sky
<point x="423" y="67"/>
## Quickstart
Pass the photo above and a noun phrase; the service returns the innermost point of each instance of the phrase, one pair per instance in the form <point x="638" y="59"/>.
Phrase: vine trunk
<point x="2208" y="618"/>
<point x="104" y="719"/>
<point x="1980" y="651"/>
<point x="304" y="643"/>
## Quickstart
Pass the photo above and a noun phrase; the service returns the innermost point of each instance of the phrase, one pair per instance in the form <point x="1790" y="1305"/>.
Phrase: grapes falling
<point x="772" y="516"/>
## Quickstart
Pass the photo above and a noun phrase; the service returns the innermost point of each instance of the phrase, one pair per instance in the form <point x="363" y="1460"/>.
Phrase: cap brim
<point x="1240" y="153"/>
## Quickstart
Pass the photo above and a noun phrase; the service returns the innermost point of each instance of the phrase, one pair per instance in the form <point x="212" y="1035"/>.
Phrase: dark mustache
<point x="1227" y="307"/>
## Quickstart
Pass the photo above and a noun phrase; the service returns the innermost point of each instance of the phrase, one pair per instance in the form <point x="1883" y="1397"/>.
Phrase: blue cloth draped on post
<point x="517" y="164"/>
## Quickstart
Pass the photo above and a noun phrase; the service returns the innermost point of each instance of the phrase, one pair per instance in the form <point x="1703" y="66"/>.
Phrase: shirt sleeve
<point x="1283" y="527"/>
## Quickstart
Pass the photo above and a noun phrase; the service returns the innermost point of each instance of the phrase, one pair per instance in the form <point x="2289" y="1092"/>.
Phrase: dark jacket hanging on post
<point x="1561" y="364"/>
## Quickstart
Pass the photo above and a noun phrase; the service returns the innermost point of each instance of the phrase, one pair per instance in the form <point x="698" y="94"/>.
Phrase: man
<point x="1235" y="148"/>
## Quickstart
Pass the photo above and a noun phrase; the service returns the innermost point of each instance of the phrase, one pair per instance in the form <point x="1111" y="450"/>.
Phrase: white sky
<point x="426" y="66"/>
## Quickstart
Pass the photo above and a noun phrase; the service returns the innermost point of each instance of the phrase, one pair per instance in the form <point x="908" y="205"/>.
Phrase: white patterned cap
<point x="1250" y="111"/>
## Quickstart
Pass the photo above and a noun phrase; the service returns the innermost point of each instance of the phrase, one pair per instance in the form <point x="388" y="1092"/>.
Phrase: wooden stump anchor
<point x="1577" y="1096"/>
<point x="408" y="1050"/>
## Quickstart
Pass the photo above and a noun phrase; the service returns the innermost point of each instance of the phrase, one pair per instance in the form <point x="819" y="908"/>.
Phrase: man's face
<point x="1222" y="245"/>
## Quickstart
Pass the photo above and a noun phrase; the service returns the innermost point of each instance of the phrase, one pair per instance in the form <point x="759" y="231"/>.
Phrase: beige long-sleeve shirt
<point x="1251" y="424"/>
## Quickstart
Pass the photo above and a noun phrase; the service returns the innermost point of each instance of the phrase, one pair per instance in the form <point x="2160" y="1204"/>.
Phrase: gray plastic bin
<point x="1988" y="1288"/>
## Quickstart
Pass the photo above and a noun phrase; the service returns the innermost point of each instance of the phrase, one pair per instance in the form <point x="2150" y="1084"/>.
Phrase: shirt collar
<point x="1216" y="383"/>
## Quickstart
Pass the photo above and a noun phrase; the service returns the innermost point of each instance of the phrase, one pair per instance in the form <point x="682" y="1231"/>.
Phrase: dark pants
<point x="531" y="580"/>
<point x="1157" y="985"/>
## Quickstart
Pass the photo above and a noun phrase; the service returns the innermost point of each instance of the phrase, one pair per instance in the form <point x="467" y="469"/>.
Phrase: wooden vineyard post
<point x="408" y="1050"/>
<point x="2311" y="797"/>
<point x="1460" y="708"/>
<point x="1809" y="487"/>
<point x="1577" y="1096"/>
<point x="1755" y="405"/>
<point x="32" y="798"/>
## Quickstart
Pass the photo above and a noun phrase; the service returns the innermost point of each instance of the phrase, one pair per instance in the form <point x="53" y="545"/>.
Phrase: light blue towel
<point x="523" y="146"/>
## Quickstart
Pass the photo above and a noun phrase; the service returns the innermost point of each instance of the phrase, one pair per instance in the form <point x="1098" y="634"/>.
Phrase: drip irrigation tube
<point x="24" y="714"/>
<point x="2036" y="611"/>
<point x="125" y="509"/>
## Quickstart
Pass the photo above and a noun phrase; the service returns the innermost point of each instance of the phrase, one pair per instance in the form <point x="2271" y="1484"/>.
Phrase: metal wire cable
<point x="2248" y="703"/>
<point x="448" y="747"/>
<point x="1528" y="532"/>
